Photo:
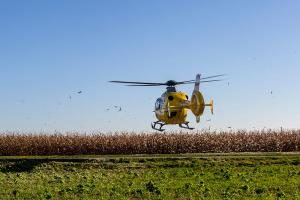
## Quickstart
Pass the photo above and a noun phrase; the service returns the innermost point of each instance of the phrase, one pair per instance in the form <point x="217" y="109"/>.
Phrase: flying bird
<point x="120" y="108"/>
<point x="79" y="92"/>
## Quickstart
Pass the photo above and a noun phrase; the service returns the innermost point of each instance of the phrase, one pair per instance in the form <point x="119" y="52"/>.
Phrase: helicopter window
<point x="187" y="97"/>
<point x="170" y="98"/>
<point x="173" y="114"/>
<point x="158" y="104"/>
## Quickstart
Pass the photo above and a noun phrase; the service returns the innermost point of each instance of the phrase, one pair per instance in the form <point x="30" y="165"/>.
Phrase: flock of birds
<point x="114" y="108"/>
<point x="117" y="108"/>
<point x="79" y="92"/>
<point x="229" y="127"/>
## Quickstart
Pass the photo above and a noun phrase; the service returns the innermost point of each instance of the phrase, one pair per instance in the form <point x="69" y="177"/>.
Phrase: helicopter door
<point x="158" y="104"/>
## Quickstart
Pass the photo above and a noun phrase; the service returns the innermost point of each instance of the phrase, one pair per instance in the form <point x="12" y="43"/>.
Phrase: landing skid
<point x="186" y="126"/>
<point x="161" y="124"/>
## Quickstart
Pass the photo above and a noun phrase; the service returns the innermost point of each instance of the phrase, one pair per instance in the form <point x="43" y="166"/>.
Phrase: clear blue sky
<point x="52" y="49"/>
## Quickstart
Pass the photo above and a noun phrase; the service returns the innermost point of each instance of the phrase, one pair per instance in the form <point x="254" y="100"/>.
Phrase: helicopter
<point x="172" y="107"/>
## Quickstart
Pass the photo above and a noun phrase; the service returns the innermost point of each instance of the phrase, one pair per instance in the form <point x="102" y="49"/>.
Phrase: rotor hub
<point x="171" y="83"/>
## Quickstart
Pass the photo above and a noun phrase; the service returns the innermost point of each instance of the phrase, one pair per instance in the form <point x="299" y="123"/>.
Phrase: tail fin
<point x="197" y="101"/>
<point x="197" y="83"/>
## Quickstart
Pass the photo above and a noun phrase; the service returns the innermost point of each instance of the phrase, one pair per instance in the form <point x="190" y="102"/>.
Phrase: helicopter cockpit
<point x="158" y="104"/>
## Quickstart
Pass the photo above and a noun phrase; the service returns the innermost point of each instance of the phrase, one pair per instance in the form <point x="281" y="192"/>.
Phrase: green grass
<point x="187" y="176"/>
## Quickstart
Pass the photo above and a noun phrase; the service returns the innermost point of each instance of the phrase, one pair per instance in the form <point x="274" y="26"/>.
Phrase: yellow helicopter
<point x="172" y="106"/>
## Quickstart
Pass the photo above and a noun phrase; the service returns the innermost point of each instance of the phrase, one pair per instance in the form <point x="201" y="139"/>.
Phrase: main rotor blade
<point x="207" y="77"/>
<point x="211" y="81"/>
<point x="130" y="82"/>
<point x="146" y="85"/>
<point x="191" y="82"/>
<point x="168" y="83"/>
<point x="180" y="83"/>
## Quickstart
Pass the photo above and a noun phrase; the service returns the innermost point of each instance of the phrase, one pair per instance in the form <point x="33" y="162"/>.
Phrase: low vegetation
<point x="207" y="176"/>
<point x="12" y="144"/>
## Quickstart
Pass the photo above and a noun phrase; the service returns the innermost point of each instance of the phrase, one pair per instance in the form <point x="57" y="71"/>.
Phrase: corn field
<point x="16" y="144"/>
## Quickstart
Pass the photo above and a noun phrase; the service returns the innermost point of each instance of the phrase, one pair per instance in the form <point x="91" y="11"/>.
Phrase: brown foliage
<point x="12" y="144"/>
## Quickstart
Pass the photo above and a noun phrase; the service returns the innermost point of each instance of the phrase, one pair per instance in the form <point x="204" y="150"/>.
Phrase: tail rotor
<point x="211" y="106"/>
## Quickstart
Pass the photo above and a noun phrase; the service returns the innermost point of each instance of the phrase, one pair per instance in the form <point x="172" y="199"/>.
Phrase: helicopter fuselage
<point x="172" y="107"/>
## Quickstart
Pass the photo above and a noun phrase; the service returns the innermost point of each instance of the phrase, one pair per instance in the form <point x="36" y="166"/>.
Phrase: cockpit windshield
<point x="158" y="104"/>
